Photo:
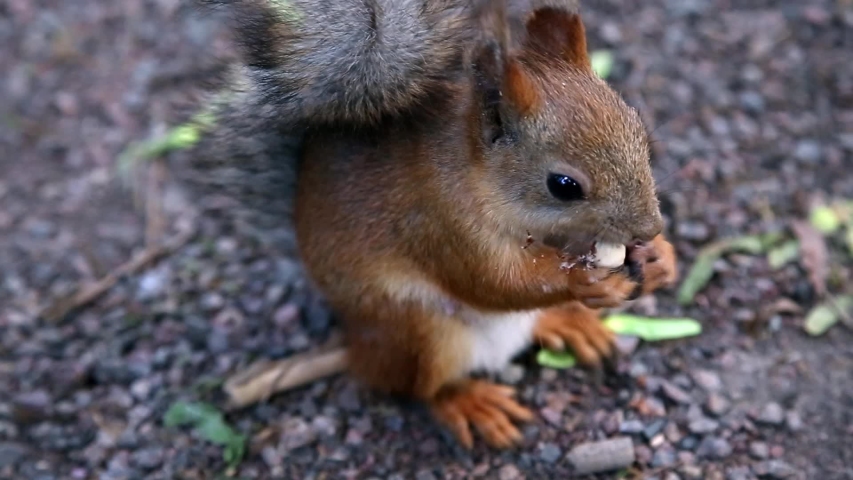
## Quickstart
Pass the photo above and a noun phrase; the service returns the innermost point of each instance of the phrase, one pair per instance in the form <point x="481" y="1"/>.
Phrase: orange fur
<point x="414" y="230"/>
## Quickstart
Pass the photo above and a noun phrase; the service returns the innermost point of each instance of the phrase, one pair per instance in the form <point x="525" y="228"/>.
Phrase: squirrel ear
<point x="558" y="32"/>
<point x="505" y="89"/>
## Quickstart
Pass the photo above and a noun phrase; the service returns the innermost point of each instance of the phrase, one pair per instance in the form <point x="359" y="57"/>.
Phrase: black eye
<point x="564" y="188"/>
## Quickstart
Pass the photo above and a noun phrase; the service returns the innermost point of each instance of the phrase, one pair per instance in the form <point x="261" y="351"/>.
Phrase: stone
<point x="631" y="427"/>
<point x="759" y="450"/>
<point x="550" y="453"/>
<point x="509" y="472"/>
<point x="771" y="414"/>
<point x="707" y="380"/>
<point x="703" y="425"/>
<point x="675" y="393"/>
<point x="717" y="404"/>
<point x="714" y="448"/>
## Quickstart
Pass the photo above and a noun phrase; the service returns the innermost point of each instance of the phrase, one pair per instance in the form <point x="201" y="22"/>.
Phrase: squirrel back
<point x="309" y="63"/>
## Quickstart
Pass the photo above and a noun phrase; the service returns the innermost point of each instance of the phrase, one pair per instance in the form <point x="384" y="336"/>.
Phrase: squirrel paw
<point x="488" y="406"/>
<point x="578" y="327"/>
<point x="604" y="288"/>
<point x="648" y="267"/>
<point x="658" y="263"/>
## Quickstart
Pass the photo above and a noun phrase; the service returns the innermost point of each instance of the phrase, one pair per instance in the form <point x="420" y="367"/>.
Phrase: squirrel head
<point x="562" y="156"/>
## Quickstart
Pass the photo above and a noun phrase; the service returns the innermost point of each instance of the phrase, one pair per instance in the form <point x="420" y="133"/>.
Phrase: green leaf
<point x="824" y="220"/>
<point x="558" y="360"/>
<point x="783" y="254"/>
<point x="210" y="425"/>
<point x="703" y="269"/>
<point x="770" y="239"/>
<point x="602" y="62"/>
<point x="652" y="329"/>
<point x="698" y="276"/>
<point x="820" y="319"/>
<point x="749" y="244"/>
<point x="183" y="413"/>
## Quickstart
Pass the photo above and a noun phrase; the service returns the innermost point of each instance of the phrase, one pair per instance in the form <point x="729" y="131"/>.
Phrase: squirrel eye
<point x="564" y="188"/>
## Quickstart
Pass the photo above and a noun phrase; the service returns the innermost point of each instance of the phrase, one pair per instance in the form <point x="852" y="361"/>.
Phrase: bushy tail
<point x="351" y="61"/>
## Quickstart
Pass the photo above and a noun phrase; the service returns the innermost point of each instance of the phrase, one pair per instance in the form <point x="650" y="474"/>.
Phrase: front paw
<point x="657" y="262"/>
<point x="578" y="328"/>
<point x="605" y="288"/>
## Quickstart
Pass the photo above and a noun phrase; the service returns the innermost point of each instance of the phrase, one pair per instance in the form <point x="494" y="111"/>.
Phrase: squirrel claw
<point x="579" y="328"/>
<point x="487" y="406"/>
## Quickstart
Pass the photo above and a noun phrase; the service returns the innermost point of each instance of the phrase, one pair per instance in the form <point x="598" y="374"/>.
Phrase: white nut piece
<point x="610" y="255"/>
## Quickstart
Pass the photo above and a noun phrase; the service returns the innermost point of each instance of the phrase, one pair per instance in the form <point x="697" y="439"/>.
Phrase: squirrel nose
<point x="649" y="227"/>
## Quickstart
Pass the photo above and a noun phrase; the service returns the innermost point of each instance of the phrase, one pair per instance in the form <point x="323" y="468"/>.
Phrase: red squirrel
<point x="465" y="186"/>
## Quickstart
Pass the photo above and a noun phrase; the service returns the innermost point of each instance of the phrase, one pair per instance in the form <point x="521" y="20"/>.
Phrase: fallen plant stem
<point x="91" y="292"/>
<point x="265" y="378"/>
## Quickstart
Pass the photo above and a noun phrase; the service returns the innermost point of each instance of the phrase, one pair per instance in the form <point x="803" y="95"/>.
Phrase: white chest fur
<point x="496" y="338"/>
<point x="492" y="338"/>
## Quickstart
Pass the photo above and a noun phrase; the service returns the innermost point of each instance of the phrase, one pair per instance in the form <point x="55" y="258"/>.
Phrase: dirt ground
<point x="751" y="104"/>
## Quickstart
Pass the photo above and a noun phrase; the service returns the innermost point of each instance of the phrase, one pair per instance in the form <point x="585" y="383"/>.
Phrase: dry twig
<point x="265" y="378"/>
<point x="89" y="293"/>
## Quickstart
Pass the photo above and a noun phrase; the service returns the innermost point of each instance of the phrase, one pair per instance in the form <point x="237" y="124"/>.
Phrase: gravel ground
<point x="752" y="109"/>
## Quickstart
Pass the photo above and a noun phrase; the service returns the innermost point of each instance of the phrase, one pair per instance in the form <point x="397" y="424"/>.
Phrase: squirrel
<point x="460" y="182"/>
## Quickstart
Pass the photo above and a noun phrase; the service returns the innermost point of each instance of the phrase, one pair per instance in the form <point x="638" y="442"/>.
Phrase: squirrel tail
<point x="349" y="61"/>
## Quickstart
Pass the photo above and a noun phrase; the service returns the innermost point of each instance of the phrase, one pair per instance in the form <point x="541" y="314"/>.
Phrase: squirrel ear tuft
<point x="521" y="92"/>
<point x="558" y="32"/>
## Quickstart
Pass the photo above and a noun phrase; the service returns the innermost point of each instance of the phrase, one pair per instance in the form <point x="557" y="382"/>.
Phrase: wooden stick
<point x="89" y="293"/>
<point x="263" y="379"/>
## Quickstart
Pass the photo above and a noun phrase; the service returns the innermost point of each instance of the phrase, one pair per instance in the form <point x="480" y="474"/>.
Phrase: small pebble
<point x="738" y="473"/>
<point x="775" y="469"/>
<point x="643" y="454"/>
<point x="714" y="448"/>
<point x="688" y="443"/>
<point x="793" y="421"/>
<point x="808" y="151"/>
<point x="691" y="471"/>
<point x="759" y="450"/>
<point x="707" y="380"/>
<point x="509" y="472"/>
<point x="148" y="458"/>
<point x="674" y="393"/>
<point x="550" y="453"/>
<point x="664" y="457"/>
<point x="703" y="425"/>
<point x="771" y="414"/>
<point x="631" y="427"/>
<point x="717" y="404"/>
<point x="11" y="453"/>
<point x="654" y="428"/>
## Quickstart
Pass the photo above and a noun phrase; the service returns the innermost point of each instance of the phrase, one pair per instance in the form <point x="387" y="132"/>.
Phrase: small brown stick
<point x="263" y="379"/>
<point x="89" y="293"/>
<point x="155" y="223"/>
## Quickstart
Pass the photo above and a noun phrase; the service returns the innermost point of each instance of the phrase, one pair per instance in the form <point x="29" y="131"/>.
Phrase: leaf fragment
<point x="602" y="62"/>
<point x="653" y="329"/>
<point x="784" y="254"/>
<point x="703" y="268"/>
<point x="824" y="219"/>
<point x="210" y="425"/>
<point x="557" y="360"/>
